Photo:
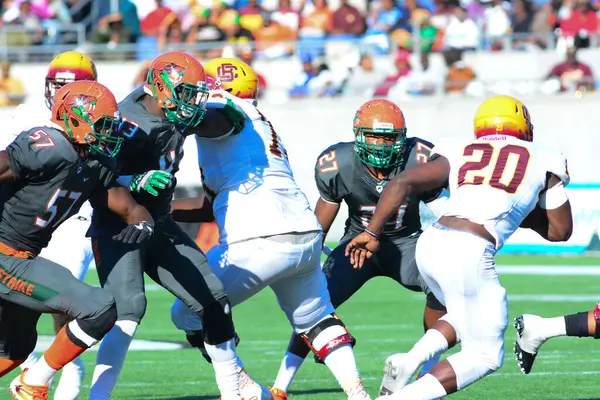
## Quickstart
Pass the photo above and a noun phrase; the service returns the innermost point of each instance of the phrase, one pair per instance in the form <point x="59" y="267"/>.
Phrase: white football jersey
<point x="496" y="181"/>
<point x="27" y="116"/>
<point x="249" y="180"/>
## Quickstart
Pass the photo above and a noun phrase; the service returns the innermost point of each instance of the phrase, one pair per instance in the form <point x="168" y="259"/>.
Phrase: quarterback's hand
<point x="135" y="233"/>
<point x="361" y="248"/>
<point x="151" y="181"/>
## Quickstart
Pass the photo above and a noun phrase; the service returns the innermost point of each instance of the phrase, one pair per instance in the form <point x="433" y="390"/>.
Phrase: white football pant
<point x="289" y="264"/>
<point x="459" y="269"/>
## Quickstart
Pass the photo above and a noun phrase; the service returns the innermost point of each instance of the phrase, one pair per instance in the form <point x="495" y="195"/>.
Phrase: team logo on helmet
<point x="227" y="72"/>
<point x="173" y="71"/>
<point x="82" y="105"/>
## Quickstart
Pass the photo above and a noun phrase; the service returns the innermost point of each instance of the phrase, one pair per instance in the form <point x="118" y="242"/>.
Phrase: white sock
<point x="28" y="363"/>
<point x="425" y="388"/>
<point x="342" y="364"/>
<point x="110" y="359"/>
<point x="226" y="366"/>
<point x="40" y="373"/>
<point x="432" y="344"/>
<point x="553" y="327"/>
<point x="290" y="365"/>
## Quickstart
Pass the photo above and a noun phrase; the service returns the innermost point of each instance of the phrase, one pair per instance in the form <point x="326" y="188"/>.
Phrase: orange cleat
<point x="278" y="394"/>
<point x="21" y="390"/>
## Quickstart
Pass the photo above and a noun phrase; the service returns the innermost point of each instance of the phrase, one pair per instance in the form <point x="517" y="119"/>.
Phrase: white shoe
<point x="357" y="392"/>
<point x="252" y="390"/>
<point x="69" y="384"/>
<point x="529" y="340"/>
<point x="396" y="374"/>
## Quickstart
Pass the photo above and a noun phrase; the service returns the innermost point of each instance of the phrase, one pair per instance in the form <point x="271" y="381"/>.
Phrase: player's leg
<point x="343" y="280"/>
<point x="17" y="335"/>
<point x="303" y="297"/>
<point x="46" y="287"/>
<point x="463" y="268"/>
<point x="533" y="331"/>
<point x="180" y="267"/>
<point x="398" y="260"/>
<point x="70" y="236"/>
<point x="120" y="271"/>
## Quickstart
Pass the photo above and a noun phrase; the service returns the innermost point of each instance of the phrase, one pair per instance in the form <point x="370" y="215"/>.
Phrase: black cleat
<point x="525" y="358"/>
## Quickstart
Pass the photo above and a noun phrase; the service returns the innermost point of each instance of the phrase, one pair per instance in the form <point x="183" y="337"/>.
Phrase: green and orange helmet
<point x="176" y="80"/>
<point x="380" y="118"/>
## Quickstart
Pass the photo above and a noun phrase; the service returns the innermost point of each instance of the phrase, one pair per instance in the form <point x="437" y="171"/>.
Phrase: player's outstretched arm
<point x="6" y="174"/>
<point x="195" y="209"/>
<point x="552" y="218"/>
<point x="326" y="213"/>
<point x="140" y="223"/>
<point x="416" y="180"/>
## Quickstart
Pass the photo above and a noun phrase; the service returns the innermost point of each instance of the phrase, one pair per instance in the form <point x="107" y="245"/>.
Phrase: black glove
<point x="135" y="233"/>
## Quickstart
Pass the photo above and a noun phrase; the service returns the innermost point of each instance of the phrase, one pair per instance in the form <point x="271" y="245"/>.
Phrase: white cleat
<point x="396" y="374"/>
<point x="252" y="390"/>
<point x="357" y="392"/>
<point x="69" y="384"/>
<point x="529" y="340"/>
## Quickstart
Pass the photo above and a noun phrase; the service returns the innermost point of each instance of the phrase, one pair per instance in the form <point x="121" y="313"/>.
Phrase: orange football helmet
<point x="379" y="118"/>
<point x="233" y="76"/>
<point x="177" y="82"/>
<point x="88" y="115"/>
<point x="67" y="67"/>
<point x="503" y="115"/>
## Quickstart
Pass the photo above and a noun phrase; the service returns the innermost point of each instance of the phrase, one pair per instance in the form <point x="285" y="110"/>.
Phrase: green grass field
<point x="385" y="318"/>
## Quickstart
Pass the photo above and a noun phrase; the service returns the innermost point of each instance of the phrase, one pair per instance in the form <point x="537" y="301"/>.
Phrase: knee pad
<point x="329" y="334"/>
<point x="433" y="303"/>
<point x="474" y="364"/>
<point x="86" y="332"/>
<point x="217" y="322"/>
<point x="196" y="339"/>
<point x="132" y="307"/>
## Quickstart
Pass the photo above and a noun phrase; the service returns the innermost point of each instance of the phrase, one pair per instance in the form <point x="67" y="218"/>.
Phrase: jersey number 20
<point x="507" y="169"/>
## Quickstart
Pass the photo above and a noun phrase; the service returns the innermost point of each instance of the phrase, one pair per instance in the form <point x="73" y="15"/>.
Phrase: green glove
<point x="151" y="182"/>
<point x="235" y="115"/>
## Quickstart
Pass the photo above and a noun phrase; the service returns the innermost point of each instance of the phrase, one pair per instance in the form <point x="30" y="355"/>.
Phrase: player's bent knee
<point x="217" y="322"/>
<point x="433" y="303"/>
<point x="328" y="335"/>
<point x="132" y="307"/>
<point x="183" y="317"/>
<point x="86" y="332"/>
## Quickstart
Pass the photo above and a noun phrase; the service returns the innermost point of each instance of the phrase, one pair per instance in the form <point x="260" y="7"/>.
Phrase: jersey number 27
<point x="502" y="166"/>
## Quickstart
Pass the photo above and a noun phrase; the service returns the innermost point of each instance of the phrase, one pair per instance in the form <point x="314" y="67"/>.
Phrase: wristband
<point x="376" y="236"/>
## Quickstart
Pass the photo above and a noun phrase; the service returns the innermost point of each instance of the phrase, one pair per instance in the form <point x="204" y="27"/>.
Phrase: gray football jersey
<point x="151" y="143"/>
<point x="341" y="176"/>
<point x="51" y="183"/>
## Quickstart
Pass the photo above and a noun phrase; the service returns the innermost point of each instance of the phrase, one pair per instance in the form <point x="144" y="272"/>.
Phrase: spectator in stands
<point x="573" y="74"/>
<point x="582" y="23"/>
<point x="111" y="31"/>
<point x="496" y="24"/>
<point x="142" y="74"/>
<point x="462" y="33"/>
<point x="202" y="29"/>
<point x="300" y="83"/>
<point x="402" y="63"/>
<point x="347" y="22"/>
<point x="521" y="19"/>
<point x="251" y="16"/>
<point x="540" y="25"/>
<point x="248" y="57"/>
<point x="131" y="21"/>
<point x="274" y="40"/>
<point x="229" y="23"/>
<point x="321" y="85"/>
<point x="363" y="79"/>
<point x="423" y="81"/>
<point x="314" y="28"/>
<point x="12" y="91"/>
<point x="170" y="31"/>
<point x="459" y="73"/>
<point x="382" y="20"/>
<point x="285" y="15"/>
<point x="22" y="13"/>
<point x="152" y="22"/>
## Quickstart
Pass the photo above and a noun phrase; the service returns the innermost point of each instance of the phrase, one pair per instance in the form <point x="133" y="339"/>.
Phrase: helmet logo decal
<point x="383" y="126"/>
<point x="173" y="71"/>
<point x="227" y="72"/>
<point x="81" y="105"/>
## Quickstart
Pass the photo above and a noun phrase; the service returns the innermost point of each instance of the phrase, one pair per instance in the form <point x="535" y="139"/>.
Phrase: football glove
<point x="135" y="233"/>
<point x="151" y="182"/>
<point x="235" y="115"/>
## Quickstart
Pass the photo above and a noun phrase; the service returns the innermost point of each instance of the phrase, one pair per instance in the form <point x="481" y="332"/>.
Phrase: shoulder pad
<point x="556" y="163"/>
<point x="418" y="151"/>
<point x="334" y="171"/>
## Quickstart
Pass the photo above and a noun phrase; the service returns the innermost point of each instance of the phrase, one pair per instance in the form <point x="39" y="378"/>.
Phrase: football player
<point x="498" y="182"/>
<point x="247" y="176"/>
<point x="67" y="67"/>
<point x="47" y="173"/>
<point x="356" y="173"/>
<point x="533" y="331"/>
<point x="158" y="117"/>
